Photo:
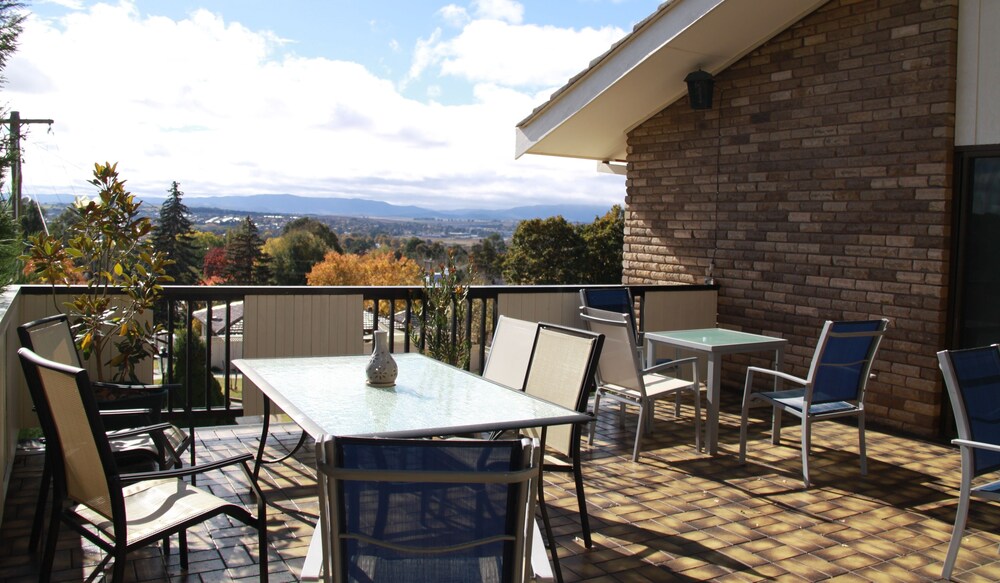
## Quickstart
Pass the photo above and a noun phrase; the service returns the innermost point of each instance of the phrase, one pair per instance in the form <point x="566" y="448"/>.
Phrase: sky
<point x="403" y="101"/>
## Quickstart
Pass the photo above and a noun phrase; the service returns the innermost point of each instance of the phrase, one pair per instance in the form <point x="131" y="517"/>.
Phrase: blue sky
<point x="411" y="102"/>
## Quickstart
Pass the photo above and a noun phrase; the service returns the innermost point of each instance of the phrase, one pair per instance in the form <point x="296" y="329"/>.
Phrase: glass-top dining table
<point x="329" y="395"/>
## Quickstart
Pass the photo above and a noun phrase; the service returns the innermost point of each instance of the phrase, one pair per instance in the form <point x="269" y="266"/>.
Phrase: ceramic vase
<point x="381" y="369"/>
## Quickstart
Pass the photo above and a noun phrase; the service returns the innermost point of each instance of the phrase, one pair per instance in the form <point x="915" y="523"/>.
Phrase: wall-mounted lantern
<point x="700" y="86"/>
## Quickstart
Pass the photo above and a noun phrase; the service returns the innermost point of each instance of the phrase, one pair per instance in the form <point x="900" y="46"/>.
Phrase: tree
<point x="200" y="396"/>
<point x="203" y="242"/>
<point x="214" y="266"/>
<point x="244" y="255"/>
<point x="10" y="246"/>
<point x="174" y="236"/>
<point x="11" y="22"/>
<point x="293" y="255"/>
<point x="605" y="239"/>
<point x="544" y="252"/>
<point x="108" y="246"/>
<point x="317" y="228"/>
<point x="370" y="269"/>
<point x="11" y="25"/>
<point x="487" y="257"/>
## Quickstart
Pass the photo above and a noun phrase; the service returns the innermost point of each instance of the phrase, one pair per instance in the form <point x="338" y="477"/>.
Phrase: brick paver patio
<point x="677" y="515"/>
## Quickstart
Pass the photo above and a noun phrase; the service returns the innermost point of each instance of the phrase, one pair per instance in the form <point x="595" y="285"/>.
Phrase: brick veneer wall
<point x="834" y="186"/>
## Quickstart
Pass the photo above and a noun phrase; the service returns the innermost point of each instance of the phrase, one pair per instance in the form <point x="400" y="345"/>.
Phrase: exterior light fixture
<point x="700" y="86"/>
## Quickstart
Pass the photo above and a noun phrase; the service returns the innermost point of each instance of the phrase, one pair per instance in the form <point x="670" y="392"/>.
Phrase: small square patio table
<point x="715" y="342"/>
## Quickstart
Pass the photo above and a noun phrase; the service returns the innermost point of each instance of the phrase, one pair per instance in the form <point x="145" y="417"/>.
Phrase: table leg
<point x="553" y="551"/>
<point x="259" y="459"/>
<point x="714" y="394"/>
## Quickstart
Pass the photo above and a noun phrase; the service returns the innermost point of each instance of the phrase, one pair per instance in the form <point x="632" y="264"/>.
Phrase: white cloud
<point x="218" y="107"/>
<point x="526" y="55"/>
<point x="454" y="15"/>
<point x="505" y="10"/>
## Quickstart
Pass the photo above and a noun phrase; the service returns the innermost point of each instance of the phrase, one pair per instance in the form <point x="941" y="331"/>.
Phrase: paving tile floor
<point x="677" y="515"/>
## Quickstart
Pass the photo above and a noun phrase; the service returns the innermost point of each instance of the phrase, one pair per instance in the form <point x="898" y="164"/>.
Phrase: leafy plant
<point x="106" y="248"/>
<point x="445" y="302"/>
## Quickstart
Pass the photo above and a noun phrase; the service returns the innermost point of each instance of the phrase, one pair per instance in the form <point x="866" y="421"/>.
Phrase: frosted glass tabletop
<point x="715" y="339"/>
<point x="329" y="395"/>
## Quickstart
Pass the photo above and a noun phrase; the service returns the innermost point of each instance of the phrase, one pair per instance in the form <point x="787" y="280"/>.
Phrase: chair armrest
<point x="122" y="412"/>
<point x="136" y="387"/>
<point x="976" y="444"/>
<point x="312" y="568"/>
<point x="186" y="471"/>
<point x="146" y="430"/>
<point x="751" y="370"/>
<point x="672" y="364"/>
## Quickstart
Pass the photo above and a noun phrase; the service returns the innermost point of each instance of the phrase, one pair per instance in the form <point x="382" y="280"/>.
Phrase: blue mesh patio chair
<point x="115" y="511"/>
<point x="972" y="377"/>
<point x="424" y="510"/>
<point x="834" y="388"/>
<point x="614" y="299"/>
<point x="621" y="377"/>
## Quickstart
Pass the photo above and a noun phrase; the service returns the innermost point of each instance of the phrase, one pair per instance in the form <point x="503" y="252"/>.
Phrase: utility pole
<point x="16" y="122"/>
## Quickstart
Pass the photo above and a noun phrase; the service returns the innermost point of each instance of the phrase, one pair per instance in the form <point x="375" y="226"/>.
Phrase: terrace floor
<point x="676" y="516"/>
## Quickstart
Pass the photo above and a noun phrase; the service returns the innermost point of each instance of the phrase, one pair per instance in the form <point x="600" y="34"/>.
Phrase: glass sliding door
<point x="976" y="282"/>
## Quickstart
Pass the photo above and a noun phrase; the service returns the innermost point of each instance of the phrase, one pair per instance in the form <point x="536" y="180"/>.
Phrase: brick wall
<point x="833" y="172"/>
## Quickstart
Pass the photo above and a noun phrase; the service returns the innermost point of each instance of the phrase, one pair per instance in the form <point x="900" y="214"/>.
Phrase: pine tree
<point x="244" y="255"/>
<point x="174" y="236"/>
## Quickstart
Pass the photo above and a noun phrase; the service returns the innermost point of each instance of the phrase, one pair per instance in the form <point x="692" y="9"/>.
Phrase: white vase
<point x="381" y="369"/>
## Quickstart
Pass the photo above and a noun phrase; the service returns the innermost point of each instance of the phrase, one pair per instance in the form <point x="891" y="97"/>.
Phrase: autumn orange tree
<point x="371" y="269"/>
<point x="368" y="269"/>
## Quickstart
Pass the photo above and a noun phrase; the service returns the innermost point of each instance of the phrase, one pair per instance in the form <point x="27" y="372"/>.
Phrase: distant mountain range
<point x="358" y="207"/>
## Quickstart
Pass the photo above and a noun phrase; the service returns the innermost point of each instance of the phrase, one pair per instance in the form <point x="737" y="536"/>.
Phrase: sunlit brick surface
<point x="676" y="515"/>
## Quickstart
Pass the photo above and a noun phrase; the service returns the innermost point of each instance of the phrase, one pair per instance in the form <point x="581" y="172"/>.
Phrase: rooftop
<point x="676" y="514"/>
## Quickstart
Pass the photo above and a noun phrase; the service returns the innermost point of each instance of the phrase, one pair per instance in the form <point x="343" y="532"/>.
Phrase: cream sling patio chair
<point x="424" y="510"/>
<point x="621" y="378"/>
<point x="834" y="388"/>
<point x="972" y="377"/>
<point x="117" y="512"/>
<point x="147" y="441"/>
<point x="510" y="352"/>
<point x="562" y="370"/>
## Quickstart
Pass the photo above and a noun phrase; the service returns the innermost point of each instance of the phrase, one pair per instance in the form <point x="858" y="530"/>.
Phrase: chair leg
<point x="638" y="431"/>
<point x="118" y="570"/>
<point x="697" y="419"/>
<point x="43" y="495"/>
<point x="593" y="424"/>
<point x="961" y="515"/>
<point x="581" y="501"/>
<point x="182" y="545"/>
<point x="861" y="444"/>
<point x="806" y="439"/>
<point x="621" y="415"/>
<point x="744" y="420"/>
<point x="51" y="539"/>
